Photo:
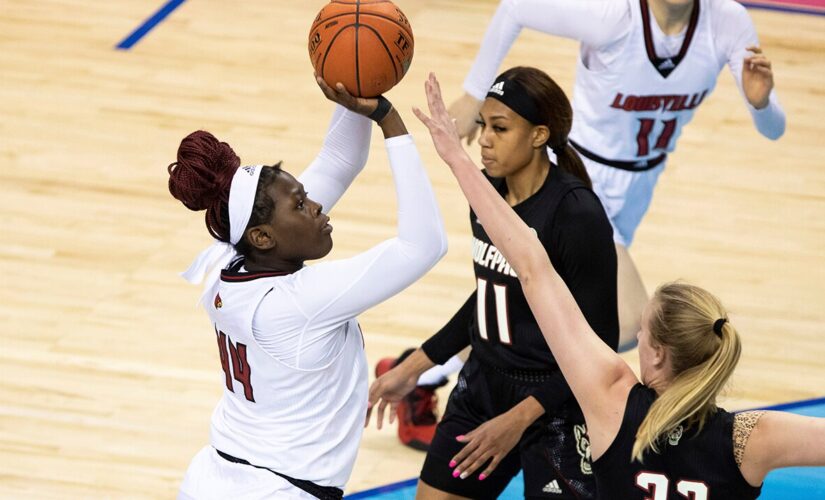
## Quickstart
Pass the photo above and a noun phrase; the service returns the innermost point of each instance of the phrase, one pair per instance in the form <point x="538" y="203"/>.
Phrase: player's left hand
<point x="361" y="105"/>
<point x="757" y="78"/>
<point x="441" y="125"/>
<point x="489" y="442"/>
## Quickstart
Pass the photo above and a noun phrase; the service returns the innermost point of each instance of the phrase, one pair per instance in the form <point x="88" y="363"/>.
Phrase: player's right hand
<point x="465" y="112"/>
<point x="388" y="390"/>
<point x="361" y="105"/>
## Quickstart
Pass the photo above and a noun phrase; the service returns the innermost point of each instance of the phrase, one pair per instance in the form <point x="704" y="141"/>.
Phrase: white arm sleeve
<point x="331" y="292"/>
<point x="592" y="22"/>
<point x="733" y="32"/>
<point x="341" y="159"/>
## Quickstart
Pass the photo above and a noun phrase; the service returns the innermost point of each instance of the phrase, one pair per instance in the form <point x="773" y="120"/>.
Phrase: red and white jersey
<point x="305" y="422"/>
<point x="635" y="108"/>
<point x="635" y="86"/>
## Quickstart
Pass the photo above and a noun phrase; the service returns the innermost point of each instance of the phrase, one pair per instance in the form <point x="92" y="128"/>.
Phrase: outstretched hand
<point x="441" y="126"/>
<point x="339" y="94"/>
<point x="757" y="78"/>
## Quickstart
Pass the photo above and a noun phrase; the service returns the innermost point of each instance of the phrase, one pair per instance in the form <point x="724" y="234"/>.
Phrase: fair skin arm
<point x="783" y="440"/>
<point x="598" y="377"/>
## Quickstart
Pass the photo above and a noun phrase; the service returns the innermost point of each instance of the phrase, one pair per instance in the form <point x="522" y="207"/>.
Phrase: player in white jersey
<point x="294" y="371"/>
<point x="643" y="68"/>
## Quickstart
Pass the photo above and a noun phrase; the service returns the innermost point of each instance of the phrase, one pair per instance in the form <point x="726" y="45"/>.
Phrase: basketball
<point x="367" y="45"/>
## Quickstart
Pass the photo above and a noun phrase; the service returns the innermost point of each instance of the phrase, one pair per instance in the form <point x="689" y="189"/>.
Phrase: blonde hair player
<point x="644" y="66"/>
<point x="663" y="437"/>
<point x="294" y="371"/>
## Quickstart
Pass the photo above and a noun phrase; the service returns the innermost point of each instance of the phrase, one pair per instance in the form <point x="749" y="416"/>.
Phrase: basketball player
<point x="295" y="375"/>
<point x="511" y="404"/>
<point x="644" y="66"/>
<point x="664" y="437"/>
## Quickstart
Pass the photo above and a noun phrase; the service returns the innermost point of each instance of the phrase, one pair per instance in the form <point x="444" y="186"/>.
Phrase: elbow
<point x="532" y="264"/>
<point x="437" y="249"/>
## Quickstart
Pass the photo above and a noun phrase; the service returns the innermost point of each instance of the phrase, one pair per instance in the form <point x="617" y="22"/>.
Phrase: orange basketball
<point x="367" y="45"/>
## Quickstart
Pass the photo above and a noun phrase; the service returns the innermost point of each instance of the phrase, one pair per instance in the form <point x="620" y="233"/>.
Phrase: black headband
<point x="717" y="326"/>
<point x="513" y="95"/>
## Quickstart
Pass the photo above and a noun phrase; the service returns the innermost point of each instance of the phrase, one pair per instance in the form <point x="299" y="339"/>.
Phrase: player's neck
<point x="525" y="182"/>
<point x="270" y="263"/>
<point x="672" y="17"/>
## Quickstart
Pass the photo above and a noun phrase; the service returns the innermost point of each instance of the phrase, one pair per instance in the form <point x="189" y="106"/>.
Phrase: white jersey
<point x="302" y="422"/>
<point x="294" y="371"/>
<point x="635" y="108"/>
<point x="635" y="86"/>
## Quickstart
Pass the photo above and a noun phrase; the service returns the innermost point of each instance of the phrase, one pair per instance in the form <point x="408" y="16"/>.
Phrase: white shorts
<point x="625" y="195"/>
<point x="211" y="477"/>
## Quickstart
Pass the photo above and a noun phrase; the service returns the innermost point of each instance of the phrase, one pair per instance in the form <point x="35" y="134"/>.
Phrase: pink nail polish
<point x="456" y="473"/>
<point x="452" y="464"/>
<point x="459" y="438"/>
<point x="482" y="477"/>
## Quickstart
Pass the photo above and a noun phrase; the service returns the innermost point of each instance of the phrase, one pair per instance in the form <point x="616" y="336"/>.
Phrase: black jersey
<point x="700" y="466"/>
<point x="572" y="226"/>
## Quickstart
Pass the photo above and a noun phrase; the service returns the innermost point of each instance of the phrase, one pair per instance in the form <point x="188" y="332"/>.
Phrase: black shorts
<point x="554" y="452"/>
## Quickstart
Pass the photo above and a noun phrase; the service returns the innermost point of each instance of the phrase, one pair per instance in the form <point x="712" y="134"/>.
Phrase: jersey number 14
<point x="240" y="368"/>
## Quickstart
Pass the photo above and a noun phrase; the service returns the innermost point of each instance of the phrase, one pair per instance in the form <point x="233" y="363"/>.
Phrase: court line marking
<point x="147" y="26"/>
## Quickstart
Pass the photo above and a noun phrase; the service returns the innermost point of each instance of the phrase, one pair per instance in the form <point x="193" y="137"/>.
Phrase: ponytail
<point x="704" y="353"/>
<point x="568" y="159"/>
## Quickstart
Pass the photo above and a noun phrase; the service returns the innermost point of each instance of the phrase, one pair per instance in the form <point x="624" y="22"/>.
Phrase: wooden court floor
<point x="109" y="373"/>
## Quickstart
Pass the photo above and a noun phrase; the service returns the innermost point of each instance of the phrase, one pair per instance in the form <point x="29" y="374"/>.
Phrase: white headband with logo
<point x="218" y="255"/>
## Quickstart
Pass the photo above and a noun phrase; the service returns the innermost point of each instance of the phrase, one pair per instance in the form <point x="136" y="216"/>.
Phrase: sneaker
<point x="416" y="413"/>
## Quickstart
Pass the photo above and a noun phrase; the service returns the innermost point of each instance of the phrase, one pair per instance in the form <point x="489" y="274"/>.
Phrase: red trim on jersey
<point x="651" y="50"/>
<point x="234" y="276"/>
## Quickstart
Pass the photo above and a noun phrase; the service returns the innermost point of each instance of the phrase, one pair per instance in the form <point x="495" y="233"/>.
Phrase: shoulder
<point x="728" y="15"/>
<point x="743" y="425"/>
<point x="579" y="207"/>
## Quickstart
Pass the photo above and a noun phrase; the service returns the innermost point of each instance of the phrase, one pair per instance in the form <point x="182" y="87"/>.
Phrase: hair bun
<point x="202" y="174"/>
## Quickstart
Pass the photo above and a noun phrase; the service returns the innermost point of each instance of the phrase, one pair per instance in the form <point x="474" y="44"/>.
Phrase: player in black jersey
<point x="665" y="437"/>
<point x="512" y="408"/>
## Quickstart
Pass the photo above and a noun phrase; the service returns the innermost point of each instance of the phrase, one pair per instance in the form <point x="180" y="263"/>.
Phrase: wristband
<point x="382" y="110"/>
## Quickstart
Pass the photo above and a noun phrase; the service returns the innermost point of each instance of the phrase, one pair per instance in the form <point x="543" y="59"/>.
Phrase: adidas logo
<point x="552" y="487"/>
<point x="667" y="64"/>
<point x="498" y="88"/>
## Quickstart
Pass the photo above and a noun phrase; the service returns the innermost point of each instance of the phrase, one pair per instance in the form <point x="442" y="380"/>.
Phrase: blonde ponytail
<point x="704" y="352"/>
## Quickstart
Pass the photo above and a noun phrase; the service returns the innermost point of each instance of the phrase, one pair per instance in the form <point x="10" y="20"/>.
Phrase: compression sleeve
<point x="331" y="292"/>
<point x="341" y="159"/>
<point x="733" y="33"/>
<point x="454" y="336"/>
<point x="592" y="22"/>
<point x="585" y="257"/>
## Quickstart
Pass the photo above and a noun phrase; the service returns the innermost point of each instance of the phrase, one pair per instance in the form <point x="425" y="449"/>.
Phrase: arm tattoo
<point x="743" y="425"/>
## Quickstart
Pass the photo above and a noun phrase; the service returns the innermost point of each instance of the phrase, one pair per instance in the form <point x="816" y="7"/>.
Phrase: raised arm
<point x="599" y="378"/>
<point x="606" y="22"/>
<point x="342" y="157"/>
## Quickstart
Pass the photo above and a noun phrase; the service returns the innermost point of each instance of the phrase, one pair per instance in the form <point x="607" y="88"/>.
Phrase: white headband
<point x="219" y="254"/>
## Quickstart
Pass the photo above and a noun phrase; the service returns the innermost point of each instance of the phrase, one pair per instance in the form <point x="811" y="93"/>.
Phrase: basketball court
<point x="110" y="373"/>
